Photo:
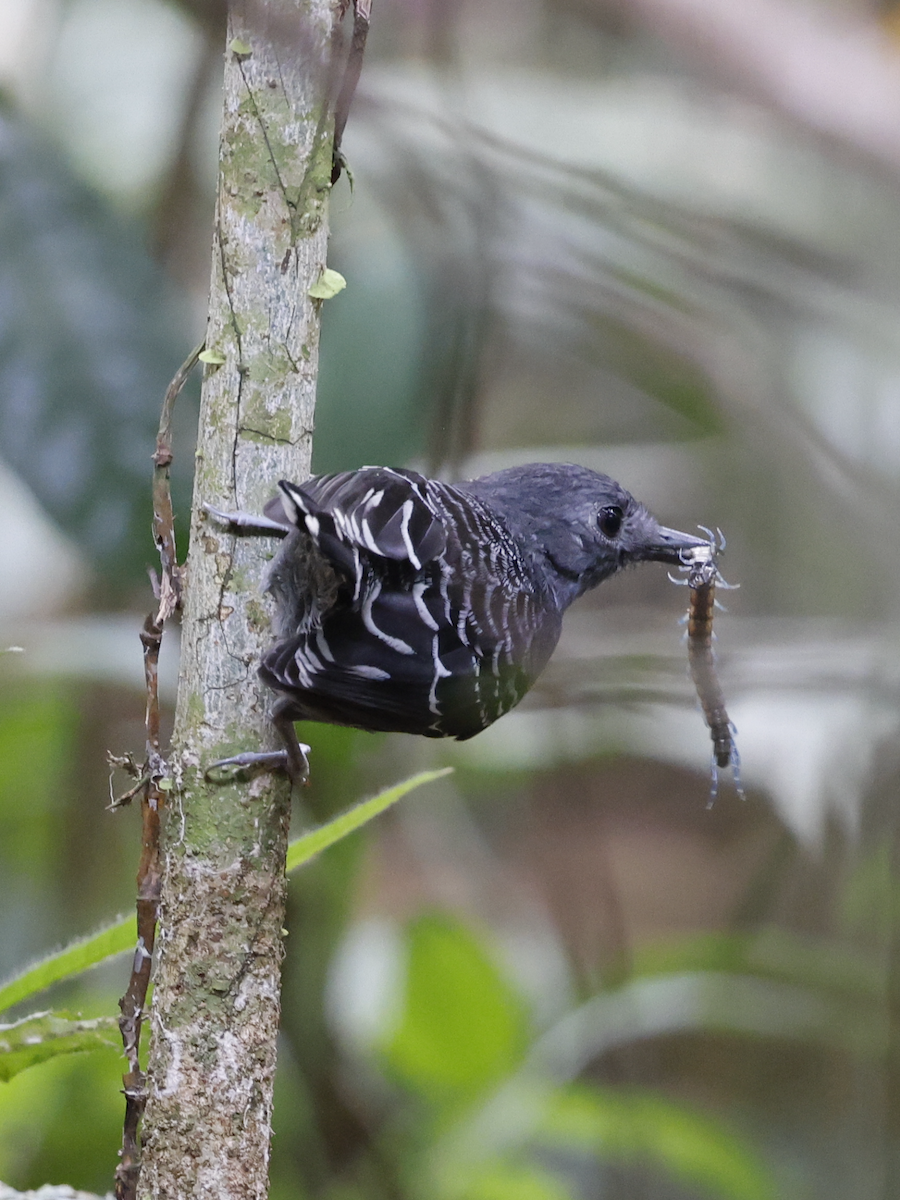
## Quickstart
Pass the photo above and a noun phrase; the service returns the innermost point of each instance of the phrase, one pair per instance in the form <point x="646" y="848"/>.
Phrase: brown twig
<point x="126" y="798"/>
<point x="152" y="787"/>
<point x="163" y="517"/>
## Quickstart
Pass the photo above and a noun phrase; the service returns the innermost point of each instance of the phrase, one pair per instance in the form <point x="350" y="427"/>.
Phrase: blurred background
<point x="656" y="237"/>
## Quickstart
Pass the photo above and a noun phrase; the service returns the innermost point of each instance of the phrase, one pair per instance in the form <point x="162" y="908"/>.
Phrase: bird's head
<point x="581" y="526"/>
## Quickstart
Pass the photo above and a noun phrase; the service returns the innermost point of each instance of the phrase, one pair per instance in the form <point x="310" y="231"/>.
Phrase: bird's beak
<point x="672" y="546"/>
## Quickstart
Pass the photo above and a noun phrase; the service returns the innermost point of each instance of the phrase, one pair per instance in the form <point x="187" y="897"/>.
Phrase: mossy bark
<point x="216" y="1003"/>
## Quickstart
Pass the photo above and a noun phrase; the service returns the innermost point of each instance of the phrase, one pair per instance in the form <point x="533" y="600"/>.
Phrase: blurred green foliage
<point x="460" y="1026"/>
<point x="38" y="726"/>
<point x="461" y="1089"/>
<point x="63" y="1122"/>
<point x="91" y="332"/>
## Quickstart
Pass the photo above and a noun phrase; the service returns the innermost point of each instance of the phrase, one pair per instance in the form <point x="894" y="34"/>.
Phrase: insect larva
<point x="702" y="577"/>
<point x="702" y="583"/>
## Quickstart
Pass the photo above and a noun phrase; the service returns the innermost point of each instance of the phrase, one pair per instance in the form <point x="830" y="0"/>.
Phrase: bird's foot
<point x="293" y="761"/>
<point x="249" y="522"/>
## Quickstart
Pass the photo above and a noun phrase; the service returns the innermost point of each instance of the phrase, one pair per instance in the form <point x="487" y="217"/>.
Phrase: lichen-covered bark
<point x="216" y="1001"/>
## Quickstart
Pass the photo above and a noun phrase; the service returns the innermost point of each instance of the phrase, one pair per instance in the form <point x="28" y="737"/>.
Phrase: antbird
<point x="405" y="604"/>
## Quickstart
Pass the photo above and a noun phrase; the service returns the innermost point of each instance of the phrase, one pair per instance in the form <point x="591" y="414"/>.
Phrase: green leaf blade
<point x="463" y="1026"/>
<point x="78" y="956"/>
<point x="302" y="849"/>
<point x="46" y="1035"/>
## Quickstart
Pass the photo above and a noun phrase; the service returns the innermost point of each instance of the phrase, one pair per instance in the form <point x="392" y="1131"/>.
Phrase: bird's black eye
<point x="610" y="520"/>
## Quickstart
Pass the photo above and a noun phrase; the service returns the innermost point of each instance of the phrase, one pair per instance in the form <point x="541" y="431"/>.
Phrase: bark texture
<point x="216" y="1003"/>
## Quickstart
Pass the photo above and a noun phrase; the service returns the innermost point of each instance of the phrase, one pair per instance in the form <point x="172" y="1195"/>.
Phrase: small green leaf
<point x="45" y="1035"/>
<point x="213" y="357"/>
<point x="327" y="285"/>
<point x="304" y="848"/>
<point x="462" y="1027"/>
<point x="239" y="46"/>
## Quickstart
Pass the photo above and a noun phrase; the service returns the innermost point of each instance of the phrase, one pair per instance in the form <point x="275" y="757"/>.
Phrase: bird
<point x="406" y="604"/>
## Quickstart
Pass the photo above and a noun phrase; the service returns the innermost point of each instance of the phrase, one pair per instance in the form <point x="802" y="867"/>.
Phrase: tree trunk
<point x="216" y="1003"/>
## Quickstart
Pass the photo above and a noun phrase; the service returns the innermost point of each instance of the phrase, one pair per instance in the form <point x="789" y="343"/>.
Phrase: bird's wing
<point x="430" y="684"/>
<point x="377" y="511"/>
<point x="413" y="659"/>
<point x="445" y="630"/>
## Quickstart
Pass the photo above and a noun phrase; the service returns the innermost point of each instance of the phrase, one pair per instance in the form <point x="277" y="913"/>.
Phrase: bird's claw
<point x="249" y="522"/>
<point x="295" y="765"/>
